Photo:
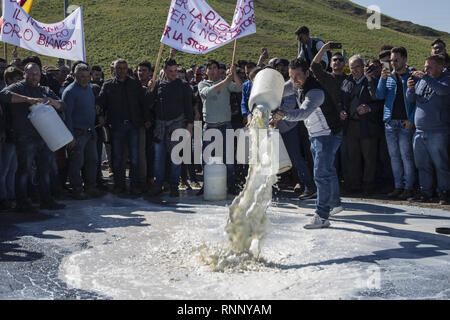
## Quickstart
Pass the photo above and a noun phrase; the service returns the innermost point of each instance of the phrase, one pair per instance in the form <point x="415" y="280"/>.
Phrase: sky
<point x="430" y="13"/>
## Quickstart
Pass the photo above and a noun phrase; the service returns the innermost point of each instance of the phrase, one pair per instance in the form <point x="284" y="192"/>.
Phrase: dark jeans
<point x="400" y="146"/>
<point x="29" y="149"/>
<point x="430" y="149"/>
<point x="149" y="152"/>
<point x="126" y="134"/>
<point x="362" y="156"/>
<point x="293" y="147"/>
<point x="324" y="150"/>
<point x="161" y="151"/>
<point x="8" y="168"/>
<point x="83" y="154"/>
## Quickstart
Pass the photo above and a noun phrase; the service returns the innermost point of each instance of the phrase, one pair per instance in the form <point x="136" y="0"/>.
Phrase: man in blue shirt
<point x="80" y="119"/>
<point x="398" y="117"/>
<point x="431" y="94"/>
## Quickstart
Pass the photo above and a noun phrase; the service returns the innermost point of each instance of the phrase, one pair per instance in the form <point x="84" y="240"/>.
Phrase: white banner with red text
<point x="194" y="27"/>
<point x="63" y="39"/>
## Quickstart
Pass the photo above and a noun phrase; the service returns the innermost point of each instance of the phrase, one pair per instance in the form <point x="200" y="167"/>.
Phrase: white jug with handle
<point x="50" y="126"/>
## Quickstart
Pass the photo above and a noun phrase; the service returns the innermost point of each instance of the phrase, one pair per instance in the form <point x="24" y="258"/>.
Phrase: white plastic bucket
<point x="50" y="126"/>
<point x="280" y="156"/>
<point x="215" y="180"/>
<point x="267" y="89"/>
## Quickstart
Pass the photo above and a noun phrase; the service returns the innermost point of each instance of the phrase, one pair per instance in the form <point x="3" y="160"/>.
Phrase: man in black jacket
<point x="173" y="110"/>
<point x="126" y="107"/>
<point x="29" y="145"/>
<point x="363" y="126"/>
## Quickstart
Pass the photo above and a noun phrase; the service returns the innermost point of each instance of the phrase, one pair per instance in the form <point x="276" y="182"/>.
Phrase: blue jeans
<point x="28" y="149"/>
<point x="431" y="149"/>
<point x="8" y="168"/>
<point x="84" y="154"/>
<point x="400" y="146"/>
<point x="292" y="142"/>
<point x="324" y="150"/>
<point x="126" y="134"/>
<point x="230" y="166"/>
<point x="161" y="151"/>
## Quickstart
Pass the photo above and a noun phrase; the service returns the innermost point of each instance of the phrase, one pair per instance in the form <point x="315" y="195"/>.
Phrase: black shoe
<point x="174" y="192"/>
<point x="444" y="197"/>
<point x="407" y="193"/>
<point x="25" y="207"/>
<point x="420" y="197"/>
<point x="78" y="194"/>
<point x="92" y="192"/>
<point x="394" y="194"/>
<point x="52" y="205"/>
<point x="299" y="189"/>
<point x="308" y="194"/>
<point x="119" y="190"/>
<point x="155" y="190"/>
<point x="135" y="192"/>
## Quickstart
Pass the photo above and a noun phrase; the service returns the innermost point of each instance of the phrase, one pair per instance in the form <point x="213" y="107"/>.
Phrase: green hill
<point x="132" y="29"/>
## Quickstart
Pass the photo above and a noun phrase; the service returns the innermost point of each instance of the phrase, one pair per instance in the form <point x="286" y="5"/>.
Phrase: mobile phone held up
<point x="335" y="45"/>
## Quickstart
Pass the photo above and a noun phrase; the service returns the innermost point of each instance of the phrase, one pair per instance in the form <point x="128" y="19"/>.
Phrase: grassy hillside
<point x="132" y="29"/>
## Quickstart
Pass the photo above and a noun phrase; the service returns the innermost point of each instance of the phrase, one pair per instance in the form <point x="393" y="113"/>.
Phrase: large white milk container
<point x="215" y="180"/>
<point x="50" y="126"/>
<point x="267" y="89"/>
<point x="280" y="157"/>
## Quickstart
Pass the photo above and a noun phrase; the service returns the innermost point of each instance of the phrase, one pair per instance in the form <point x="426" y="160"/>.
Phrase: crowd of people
<point x="383" y="128"/>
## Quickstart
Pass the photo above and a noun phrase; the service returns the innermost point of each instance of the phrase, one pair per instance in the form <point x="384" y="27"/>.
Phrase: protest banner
<point x="194" y="27"/>
<point x="63" y="39"/>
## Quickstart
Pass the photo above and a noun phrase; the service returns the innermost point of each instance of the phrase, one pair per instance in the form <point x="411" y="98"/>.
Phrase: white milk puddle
<point x="246" y="228"/>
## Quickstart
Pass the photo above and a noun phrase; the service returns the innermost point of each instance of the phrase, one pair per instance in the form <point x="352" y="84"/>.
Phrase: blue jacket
<point x="387" y="90"/>
<point x="432" y="98"/>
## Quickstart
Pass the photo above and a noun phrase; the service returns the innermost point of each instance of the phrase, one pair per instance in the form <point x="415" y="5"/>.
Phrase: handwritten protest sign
<point x="194" y="27"/>
<point x="64" y="39"/>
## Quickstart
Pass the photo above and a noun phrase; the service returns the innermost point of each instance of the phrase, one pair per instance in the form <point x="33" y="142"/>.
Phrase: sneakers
<point x="420" y="197"/>
<point x="444" y="197"/>
<point x="394" y="194"/>
<point x="317" y="223"/>
<point x="407" y="193"/>
<point x="195" y="186"/>
<point x="336" y="210"/>
<point x="308" y="194"/>
<point x="184" y="186"/>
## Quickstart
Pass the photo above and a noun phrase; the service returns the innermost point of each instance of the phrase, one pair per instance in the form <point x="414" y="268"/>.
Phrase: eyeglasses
<point x="338" y="59"/>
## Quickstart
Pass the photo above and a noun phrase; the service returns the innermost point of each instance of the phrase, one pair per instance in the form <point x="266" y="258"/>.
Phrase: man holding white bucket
<point x="29" y="144"/>
<point x="325" y="133"/>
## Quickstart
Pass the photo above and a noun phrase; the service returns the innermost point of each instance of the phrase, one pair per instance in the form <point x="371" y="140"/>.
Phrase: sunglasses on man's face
<point x="338" y="59"/>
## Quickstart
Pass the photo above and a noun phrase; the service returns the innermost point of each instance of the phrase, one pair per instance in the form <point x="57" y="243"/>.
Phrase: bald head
<point x="32" y="74"/>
